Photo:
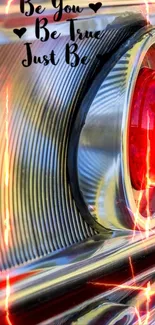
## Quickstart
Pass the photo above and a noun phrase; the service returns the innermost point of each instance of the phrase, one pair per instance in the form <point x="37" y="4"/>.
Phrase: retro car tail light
<point x="67" y="173"/>
<point x="115" y="144"/>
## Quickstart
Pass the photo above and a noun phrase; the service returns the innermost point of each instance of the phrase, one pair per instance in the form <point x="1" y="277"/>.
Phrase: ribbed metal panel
<point x="96" y="147"/>
<point x="36" y="208"/>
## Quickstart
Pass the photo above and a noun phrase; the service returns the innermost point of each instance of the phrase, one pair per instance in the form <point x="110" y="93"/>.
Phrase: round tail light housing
<point x="115" y="161"/>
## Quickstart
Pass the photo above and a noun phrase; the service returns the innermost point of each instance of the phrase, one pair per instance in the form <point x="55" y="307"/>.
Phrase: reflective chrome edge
<point x="102" y="158"/>
<point x="101" y="312"/>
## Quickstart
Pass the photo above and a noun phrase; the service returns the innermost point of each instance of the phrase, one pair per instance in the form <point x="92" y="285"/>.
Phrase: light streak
<point x="148" y="298"/>
<point x="7" y="140"/>
<point x="147" y="10"/>
<point x="149" y="183"/>
<point x="148" y="292"/>
<point x="133" y="277"/>
<point x="132" y="269"/>
<point x="7" y="213"/>
<point x="6" y="162"/>
<point x="8" y="6"/>
<point x="138" y="316"/>
<point x="136" y="215"/>
<point x="7" y="228"/>
<point x="123" y="286"/>
<point x="7" y="300"/>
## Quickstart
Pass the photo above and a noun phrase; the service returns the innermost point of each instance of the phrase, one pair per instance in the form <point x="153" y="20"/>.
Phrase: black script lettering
<point x="82" y="35"/>
<point x="27" y="62"/>
<point x="58" y="14"/>
<point x="88" y="34"/>
<point x="38" y="59"/>
<point x="53" y="35"/>
<point x="38" y="27"/>
<point x="72" y="29"/>
<point x="39" y="10"/>
<point x="68" y="9"/>
<point x="71" y="51"/>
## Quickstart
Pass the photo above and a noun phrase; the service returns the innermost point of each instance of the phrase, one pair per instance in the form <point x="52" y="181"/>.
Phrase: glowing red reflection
<point x="143" y="110"/>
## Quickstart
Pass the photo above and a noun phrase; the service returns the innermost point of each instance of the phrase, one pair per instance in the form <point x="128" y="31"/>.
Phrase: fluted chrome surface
<point x="102" y="313"/>
<point x="37" y="212"/>
<point x="43" y="216"/>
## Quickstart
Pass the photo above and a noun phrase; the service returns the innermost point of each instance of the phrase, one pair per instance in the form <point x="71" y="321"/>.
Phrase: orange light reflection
<point x="7" y="300"/>
<point x="149" y="183"/>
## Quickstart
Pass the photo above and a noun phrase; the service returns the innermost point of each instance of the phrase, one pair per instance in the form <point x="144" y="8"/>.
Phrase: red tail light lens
<point x="142" y="132"/>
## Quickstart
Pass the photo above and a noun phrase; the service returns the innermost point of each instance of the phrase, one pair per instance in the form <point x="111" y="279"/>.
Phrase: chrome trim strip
<point x="99" y="313"/>
<point x="99" y="256"/>
<point x="130" y="295"/>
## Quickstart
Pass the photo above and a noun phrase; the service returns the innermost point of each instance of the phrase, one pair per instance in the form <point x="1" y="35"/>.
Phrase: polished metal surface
<point x="126" y="298"/>
<point x="81" y="263"/>
<point x="102" y="313"/>
<point x="38" y="213"/>
<point x="37" y="209"/>
<point x="102" y="159"/>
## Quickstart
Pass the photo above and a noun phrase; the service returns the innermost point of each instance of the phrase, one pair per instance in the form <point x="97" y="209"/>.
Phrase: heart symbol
<point x="20" y="32"/>
<point x="95" y="7"/>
